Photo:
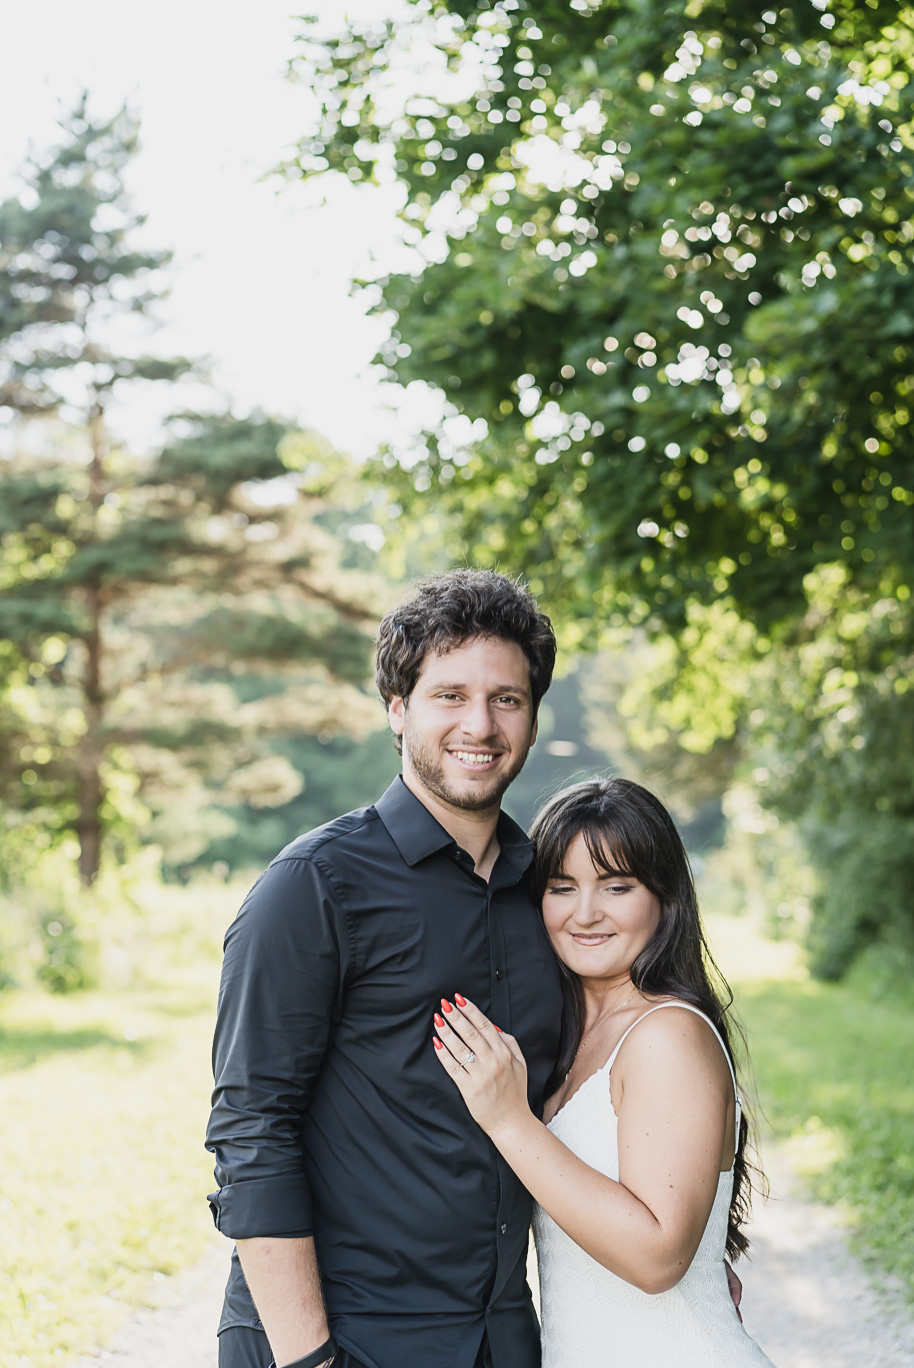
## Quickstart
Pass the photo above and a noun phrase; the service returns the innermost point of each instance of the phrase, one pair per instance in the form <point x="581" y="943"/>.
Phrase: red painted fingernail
<point x="439" y="1019"/>
<point x="446" y="1006"/>
<point x="499" y="1030"/>
<point x="460" y="1000"/>
<point x="437" y="1043"/>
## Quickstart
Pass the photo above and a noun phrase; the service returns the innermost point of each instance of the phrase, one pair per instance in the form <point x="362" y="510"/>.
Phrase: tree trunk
<point x="91" y="791"/>
<point x="91" y="751"/>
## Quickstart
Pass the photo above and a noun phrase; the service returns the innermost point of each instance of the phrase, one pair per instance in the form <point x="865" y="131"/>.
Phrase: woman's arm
<point x="672" y="1084"/>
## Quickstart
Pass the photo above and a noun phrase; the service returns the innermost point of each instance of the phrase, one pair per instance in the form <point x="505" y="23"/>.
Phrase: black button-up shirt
<point x="331" y="1115"/>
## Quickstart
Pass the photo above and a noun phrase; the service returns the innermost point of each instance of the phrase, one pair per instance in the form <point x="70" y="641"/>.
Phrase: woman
<point x="638" y="1173"/>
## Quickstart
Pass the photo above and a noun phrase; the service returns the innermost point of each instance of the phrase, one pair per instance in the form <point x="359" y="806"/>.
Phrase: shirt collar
<point x="417" y="834"/>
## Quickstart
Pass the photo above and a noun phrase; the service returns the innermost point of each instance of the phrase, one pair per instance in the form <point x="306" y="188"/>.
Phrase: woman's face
<point x="598" y="923"/>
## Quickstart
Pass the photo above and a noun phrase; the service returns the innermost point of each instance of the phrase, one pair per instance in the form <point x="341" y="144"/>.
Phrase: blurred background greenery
<point x="659" y="283"/>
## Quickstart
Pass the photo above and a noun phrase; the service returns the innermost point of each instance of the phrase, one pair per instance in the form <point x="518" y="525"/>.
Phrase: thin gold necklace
<point x="599" y="1022"/>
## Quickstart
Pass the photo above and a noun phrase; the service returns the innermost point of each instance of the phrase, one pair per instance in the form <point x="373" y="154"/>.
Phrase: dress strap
<point x="687" y="1006"/>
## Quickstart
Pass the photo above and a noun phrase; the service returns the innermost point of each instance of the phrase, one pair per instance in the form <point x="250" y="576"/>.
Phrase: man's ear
<point x="396" y="714"/>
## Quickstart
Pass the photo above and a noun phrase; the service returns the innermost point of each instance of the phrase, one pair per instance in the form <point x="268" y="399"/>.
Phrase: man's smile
<point x="474" y="759"/>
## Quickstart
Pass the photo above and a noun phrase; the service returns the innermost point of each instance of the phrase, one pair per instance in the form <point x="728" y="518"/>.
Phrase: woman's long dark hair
<point x="629" y="831"/>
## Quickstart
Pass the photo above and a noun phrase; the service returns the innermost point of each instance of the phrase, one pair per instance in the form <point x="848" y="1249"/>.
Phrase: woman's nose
<point x="588" y="911"/>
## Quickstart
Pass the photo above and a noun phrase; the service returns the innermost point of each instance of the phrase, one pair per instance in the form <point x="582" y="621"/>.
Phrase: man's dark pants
<point x="244" y="1348"/>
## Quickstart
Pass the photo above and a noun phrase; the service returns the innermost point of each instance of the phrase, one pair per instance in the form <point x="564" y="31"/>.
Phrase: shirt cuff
<point x="263" y="1206"/>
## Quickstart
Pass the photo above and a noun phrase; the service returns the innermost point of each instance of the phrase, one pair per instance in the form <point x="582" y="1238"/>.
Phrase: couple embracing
<point x="430" y="1024"/>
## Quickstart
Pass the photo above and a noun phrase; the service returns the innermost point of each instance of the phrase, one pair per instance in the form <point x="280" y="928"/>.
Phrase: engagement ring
<point x="469" y="1058"/>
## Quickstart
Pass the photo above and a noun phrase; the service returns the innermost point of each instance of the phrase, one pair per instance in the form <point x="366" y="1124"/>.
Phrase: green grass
<point x="835" y="1080"/>
<point x="103" y="1104"/>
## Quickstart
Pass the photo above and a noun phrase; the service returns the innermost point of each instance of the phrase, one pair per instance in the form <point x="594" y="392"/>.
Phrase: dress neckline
<point x="581" y="1086"/>
<point x="608" y="1062"/>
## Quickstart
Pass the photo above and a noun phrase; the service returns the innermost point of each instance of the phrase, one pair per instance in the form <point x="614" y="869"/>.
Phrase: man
<point x="362" y="1198"/>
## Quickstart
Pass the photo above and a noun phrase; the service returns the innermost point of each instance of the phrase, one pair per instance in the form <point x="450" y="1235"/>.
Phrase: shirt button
<point x="499" y="974"/>
<point x="504" y="1228"/>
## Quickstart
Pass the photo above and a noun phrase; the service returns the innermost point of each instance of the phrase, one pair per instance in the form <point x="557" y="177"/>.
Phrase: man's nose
<point x="479" y="719"/>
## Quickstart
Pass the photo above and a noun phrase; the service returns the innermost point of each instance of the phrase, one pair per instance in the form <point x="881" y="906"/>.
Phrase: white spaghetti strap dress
<point x="593" y="1319"/>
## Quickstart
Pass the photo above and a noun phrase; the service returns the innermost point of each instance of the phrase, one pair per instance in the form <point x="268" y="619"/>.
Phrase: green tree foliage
<point x="832" y="745"/>
<point x="165" y="621"/>
<point x="663" y="257"/>
<point x="223" y="625"/>
<point x="663" y="282"/>
<point x="69" y="274"/>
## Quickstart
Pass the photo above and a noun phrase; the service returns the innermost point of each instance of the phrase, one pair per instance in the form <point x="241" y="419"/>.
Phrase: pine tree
<point x="165" y="618"/>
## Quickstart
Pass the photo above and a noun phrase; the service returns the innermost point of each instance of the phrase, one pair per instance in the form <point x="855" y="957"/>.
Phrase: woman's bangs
<point x="606" y="851"/>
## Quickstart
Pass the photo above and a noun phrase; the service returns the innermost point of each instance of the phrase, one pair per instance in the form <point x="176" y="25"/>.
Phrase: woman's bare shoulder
<point x="678" y="1035"/>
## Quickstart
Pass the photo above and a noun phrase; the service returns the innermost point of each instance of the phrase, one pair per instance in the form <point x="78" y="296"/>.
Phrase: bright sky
<point x="260" y="279"/>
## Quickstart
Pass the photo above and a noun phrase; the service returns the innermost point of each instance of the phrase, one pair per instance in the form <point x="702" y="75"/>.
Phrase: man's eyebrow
<point x="453" y="687"/>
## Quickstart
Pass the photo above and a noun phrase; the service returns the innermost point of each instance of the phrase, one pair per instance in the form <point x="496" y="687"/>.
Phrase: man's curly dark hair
<point x="446" y="610"/>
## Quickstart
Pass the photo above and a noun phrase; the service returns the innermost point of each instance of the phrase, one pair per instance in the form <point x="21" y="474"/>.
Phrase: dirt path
<point x="179" y="1333"/>
<point x="806" y="1299"/>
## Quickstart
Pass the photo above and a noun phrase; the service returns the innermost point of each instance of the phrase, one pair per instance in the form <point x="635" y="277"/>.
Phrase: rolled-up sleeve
<point x="286" y="958"/>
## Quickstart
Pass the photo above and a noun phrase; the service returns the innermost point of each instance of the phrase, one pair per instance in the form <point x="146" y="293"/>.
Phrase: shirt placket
<point x="498" y="1012"/>
<point x="501" y="1015"/>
